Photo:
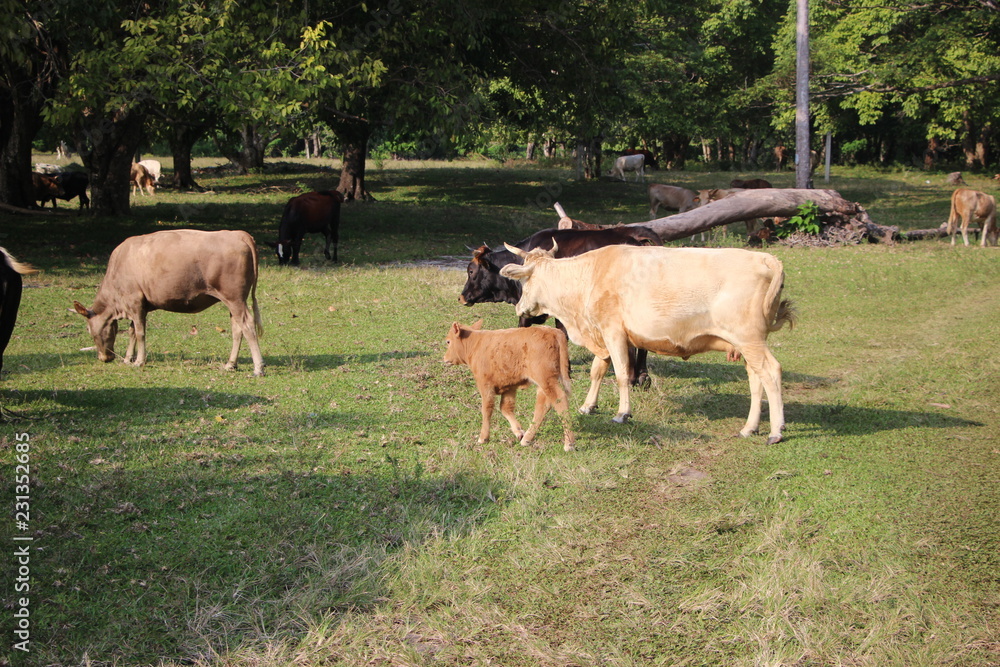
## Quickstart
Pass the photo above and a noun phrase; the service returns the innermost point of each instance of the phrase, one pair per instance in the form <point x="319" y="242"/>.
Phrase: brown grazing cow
<point x="671" y="197"/>
<point x="972" y="205"/>
<point x="180" y="271"/>
<point x="505" y="360"/>
<point x="46" y="188"/>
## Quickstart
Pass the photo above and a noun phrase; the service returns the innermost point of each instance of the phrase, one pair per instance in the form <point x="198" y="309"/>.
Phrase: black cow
<point x="11" y="271"/>
<point x="484" y="283"/>
<point x="73" y="184"/>
<point x="308" y="214"/>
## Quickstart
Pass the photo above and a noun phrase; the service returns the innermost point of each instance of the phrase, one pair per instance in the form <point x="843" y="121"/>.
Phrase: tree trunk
<point x="182" y="139"/>
<point x="354" y="136"/>
<point x="766" y="203"/>
<point x="19" y="123"/>
<point x="108" y="146"/>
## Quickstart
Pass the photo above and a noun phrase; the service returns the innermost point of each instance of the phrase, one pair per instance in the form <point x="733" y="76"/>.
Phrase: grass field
<point x="338" y="511"/>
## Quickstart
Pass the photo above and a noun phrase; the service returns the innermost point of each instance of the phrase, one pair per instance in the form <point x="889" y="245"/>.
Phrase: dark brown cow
<point x="750" y="184"/>
<point x="11" y="271"/>
<point x="311" y="213"/>
<point x="46" y="188"/>
<point x="180" y="271"/>
<point x="506" y="360"/>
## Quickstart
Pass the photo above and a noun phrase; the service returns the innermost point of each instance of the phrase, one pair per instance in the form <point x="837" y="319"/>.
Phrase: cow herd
<point x="615" y="291"/>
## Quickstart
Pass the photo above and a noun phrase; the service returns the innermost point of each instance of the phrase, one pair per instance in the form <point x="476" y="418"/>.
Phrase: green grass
<point x="338" y="510"/>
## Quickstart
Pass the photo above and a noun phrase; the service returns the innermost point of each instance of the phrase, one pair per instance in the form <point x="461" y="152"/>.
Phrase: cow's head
<point x="283" y="249"/>
<point x="529" y="304"/>
<point x="483" y="281"/>
<point x="102" y="328"/>
<point x="454" y="352"/>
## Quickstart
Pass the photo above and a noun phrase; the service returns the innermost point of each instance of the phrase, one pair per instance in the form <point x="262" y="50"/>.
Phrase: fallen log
<point x="742" y="205"/>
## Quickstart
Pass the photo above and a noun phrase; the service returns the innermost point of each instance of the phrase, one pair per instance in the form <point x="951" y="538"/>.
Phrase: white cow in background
<point x="636" y="163"/>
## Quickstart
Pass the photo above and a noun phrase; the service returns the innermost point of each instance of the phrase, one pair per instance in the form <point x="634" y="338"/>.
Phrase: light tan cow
<point x="505" y="360"/>
<point x="671" y="197"/>
<point x="674" y="301"/>
<point x="180" y="271"/>
<point x="973" y="206"/>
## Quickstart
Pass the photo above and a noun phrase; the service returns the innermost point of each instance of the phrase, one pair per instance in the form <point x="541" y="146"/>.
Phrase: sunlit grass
<point x="338" y="510"/>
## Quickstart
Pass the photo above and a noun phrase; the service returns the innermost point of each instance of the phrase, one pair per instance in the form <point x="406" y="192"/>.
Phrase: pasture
<point x="339" y="511"/>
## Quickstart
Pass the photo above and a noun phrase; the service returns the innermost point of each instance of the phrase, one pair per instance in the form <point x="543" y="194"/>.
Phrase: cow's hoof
<point x="587" y="410"/>
<point x="746" y="434"/>
<point x="527" y="443"/>
<point x="774" y="439"/>
<point x="568" y="447"/>
<point x="230" y="367"/>
<point x="642" y="381"/>
<point x="621" y="418"/>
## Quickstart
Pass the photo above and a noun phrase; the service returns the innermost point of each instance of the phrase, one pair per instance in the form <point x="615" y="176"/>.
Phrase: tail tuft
<point x="787" y="313"/>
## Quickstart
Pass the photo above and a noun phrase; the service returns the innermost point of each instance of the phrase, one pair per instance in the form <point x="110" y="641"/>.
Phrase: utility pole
<point x="803" y="158"/>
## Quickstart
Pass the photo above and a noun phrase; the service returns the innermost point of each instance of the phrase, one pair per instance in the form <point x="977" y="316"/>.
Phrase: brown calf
<point x="968" y="205"/>
<point x="503" y="361"/>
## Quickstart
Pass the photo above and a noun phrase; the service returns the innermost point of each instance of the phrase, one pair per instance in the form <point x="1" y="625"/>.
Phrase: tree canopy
<point x="708" y="79"/>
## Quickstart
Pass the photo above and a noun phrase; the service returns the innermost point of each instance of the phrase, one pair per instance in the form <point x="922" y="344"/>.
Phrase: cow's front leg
<point x="488" y="398"/>
<point x="137" y="339"/>
<point x="598" y="370"/>
<point x="130" y="348"/>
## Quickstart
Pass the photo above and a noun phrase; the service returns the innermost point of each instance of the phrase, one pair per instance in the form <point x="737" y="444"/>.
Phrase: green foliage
<point x="805" y="220"/>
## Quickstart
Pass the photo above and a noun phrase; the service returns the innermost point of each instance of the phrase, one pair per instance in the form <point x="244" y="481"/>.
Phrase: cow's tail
<point x="258" y="323"/>
<point x="19" y="267"/>
<point x="777" y="311"/>
<point x="564" y="362"/>
<point x="953" y="216"/>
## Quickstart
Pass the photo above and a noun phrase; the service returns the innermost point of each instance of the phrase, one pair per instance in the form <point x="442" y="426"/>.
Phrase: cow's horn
<point x="514" y="249"/>
<point x="555" y="246"/>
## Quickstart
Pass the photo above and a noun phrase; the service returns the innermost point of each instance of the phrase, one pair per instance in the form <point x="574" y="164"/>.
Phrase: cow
<point x="180" y="271"/>
<point x="73" y="184"/>
<point x="972" y="205"/>
<point x="11" y="271"/>
<point x="625" y="163"/>
<point x="484" y="284"/>
<point x="750" y="184"/>
<point x="674" y="301"/>
<point x="781" y="155"/>
<point x="46" y="188"/>
<point x="153" y="168"/>
<point x="649" y="160"/>
<point x="311" y="213"/>
<point x="506" y="360"/>
<point x="139" y="178"/>
<point x="671" y="197"/>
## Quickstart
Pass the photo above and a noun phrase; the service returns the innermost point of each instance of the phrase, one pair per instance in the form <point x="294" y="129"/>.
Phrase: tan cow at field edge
<point x="674" y="301"/>
<point x="671" y="197"/>
<point x="505" y="360"/>
<point x="180" y="271"/>
<point x="140" y="178"/>
<point x="972" y="205"/>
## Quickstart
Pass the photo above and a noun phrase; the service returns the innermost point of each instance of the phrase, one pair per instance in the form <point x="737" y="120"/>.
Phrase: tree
<point x="30" y="59"/>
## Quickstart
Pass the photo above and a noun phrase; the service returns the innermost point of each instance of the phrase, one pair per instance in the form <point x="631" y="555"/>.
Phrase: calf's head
<point x="483" y="281"/>
<point x="102" y="328"/>
<point x="454" y="353"/>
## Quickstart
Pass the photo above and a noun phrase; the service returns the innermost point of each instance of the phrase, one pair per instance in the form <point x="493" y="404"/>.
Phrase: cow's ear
<point x="477" y="325"/>
<point x="83" y="310"/>
<point x="456" y="328"/>
<point x="516" y="271"/>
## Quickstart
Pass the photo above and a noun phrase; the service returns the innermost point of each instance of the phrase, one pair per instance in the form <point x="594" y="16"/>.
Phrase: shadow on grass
<point x="202" y="552"/>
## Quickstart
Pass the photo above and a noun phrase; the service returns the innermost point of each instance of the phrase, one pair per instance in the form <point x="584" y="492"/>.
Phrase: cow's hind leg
<point x="329" y="238"/>
<point x="507" y="399"/>
<point x="762" y="365"/>
<point x="552" y="396"/>
<point x="620" y="360"/>
<point x="244" y="324"/>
